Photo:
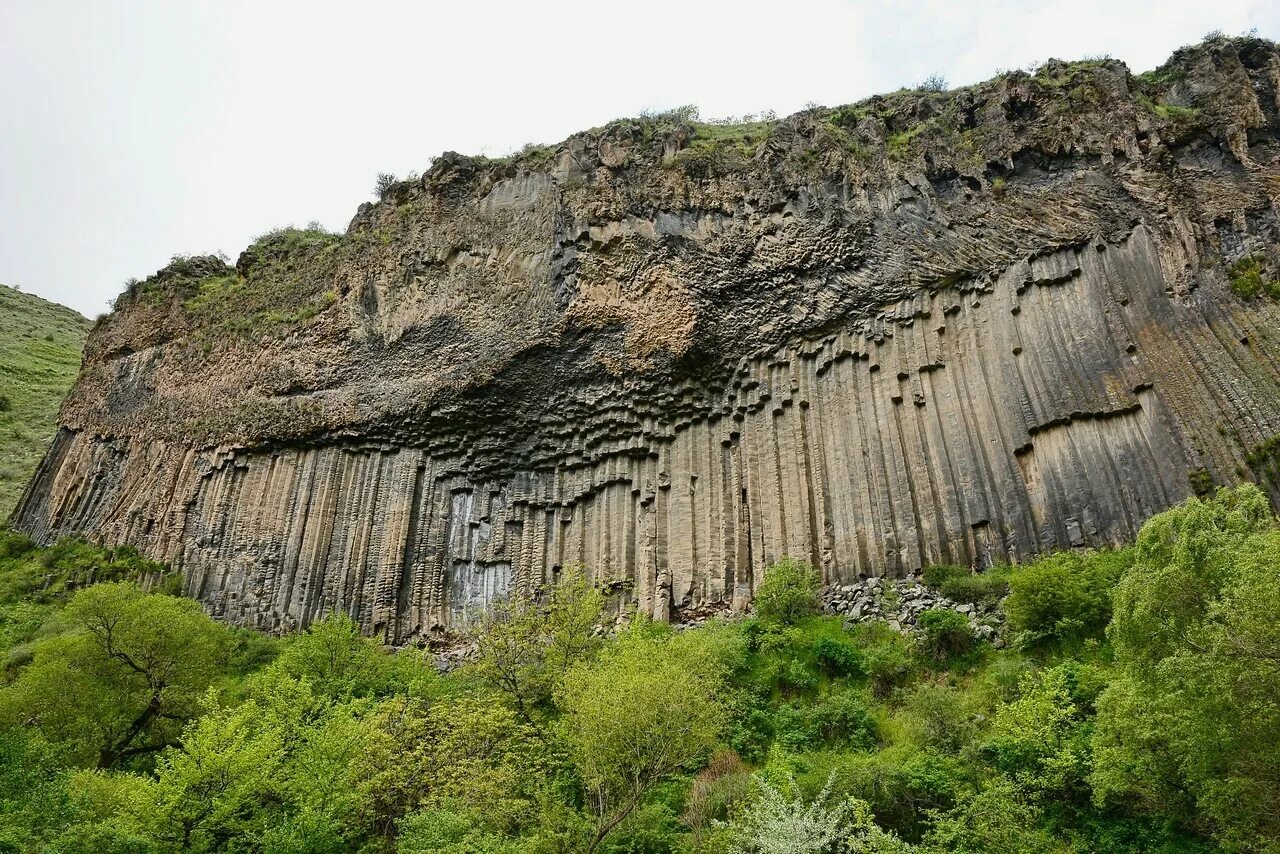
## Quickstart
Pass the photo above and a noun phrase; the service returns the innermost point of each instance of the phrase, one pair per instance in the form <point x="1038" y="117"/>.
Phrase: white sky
<point x="132" y="131"/>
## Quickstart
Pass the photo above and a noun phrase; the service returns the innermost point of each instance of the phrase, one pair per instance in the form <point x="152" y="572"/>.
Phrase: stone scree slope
<point x="958" y="327"/>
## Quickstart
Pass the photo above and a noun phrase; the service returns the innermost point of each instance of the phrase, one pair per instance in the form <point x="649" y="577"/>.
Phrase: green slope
<point x="40" y="345"/>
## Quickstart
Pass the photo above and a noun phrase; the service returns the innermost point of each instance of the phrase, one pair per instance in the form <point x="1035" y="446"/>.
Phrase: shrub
<point x="1201" y="482"/>
<point x="1248" y="279"/>
<point x="902" y="784"/>
<point x="942" y="633"/>
<point x="447" y="831"/>
<point x="793" y="677"/>
<point x="885" y="658"/>
<point x="839" y="719"/>
<point x="788" y="592"/>
<point x="5" y="403"/>
<point x="716" y="792"/>
<point x="937" y="574"/>
<point x="959" y="584"/>
<point x="384" y="183"/>
<point x="1064" y="598"/>
<point x="937" y="717"/>
<point x="781" y="822"/>
<point x="839" y="658"/>
<point x="1041" y="740"/>
<point x="933" y="83"/>
<point x="996" y="819"/>
<point x="986" y="588"/>
<point x="15" y="545"/>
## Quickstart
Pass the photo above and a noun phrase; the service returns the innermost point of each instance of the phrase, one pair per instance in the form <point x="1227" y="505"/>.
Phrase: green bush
<point x="937" y="717"/>
<point x="1064" y="598"/>
<point x="937" y="574"/>
<point x="14" y="545"/>
<point x="985" y="589"/>
<point x="885" y="658"/>
<point x="839" y="658"/>
<point x="447" y="831"/>
<point x="788" y="593"/>
<point x="961" y="585"/>
<point x="997" y="818"/>
<point x="840" y="719"/>
<point x="901" y="783"/>
<point x="942" y="634"/>
<point x="1246" y="277"/>
<point x="5" y="403"/>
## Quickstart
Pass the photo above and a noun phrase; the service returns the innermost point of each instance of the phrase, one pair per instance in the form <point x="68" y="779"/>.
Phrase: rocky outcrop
<point x="960" y="327"/>
<point x="899" y="602"/>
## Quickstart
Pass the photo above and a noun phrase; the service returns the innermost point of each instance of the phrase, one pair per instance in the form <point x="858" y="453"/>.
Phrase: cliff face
<point x="966" y="326"/>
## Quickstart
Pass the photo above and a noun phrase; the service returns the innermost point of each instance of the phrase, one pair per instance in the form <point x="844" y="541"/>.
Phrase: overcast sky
<point x="133" y="131"/>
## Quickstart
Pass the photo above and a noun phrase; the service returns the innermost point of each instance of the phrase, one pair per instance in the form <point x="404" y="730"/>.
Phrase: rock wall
<point x="673" y="378"/>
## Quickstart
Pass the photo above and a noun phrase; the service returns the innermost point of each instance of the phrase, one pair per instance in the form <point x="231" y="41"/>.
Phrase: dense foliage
<point x="1133" y="710"/>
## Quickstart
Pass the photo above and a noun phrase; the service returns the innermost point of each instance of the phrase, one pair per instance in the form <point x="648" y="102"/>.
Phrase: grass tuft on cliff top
<point x="40" y="345"/>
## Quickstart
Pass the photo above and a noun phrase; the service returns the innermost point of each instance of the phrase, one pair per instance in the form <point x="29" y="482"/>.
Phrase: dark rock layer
<point x="966" y="327"/>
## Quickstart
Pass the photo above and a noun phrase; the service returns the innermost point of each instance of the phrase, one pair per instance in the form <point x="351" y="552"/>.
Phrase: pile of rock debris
<point x="899" y="602"/>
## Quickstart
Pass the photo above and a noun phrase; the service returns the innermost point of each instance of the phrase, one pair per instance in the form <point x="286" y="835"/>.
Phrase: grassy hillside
<point x="40" y="344"/>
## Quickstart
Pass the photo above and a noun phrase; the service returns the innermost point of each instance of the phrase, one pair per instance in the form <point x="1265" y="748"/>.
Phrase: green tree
<point x="466" y="753"/>
<point x="124" y="677"/>
<point x="998" y="818"/>
<point x="217" y="787"/>
<point x="648" y="709"/>
<point x="1060" y="600"/>
<point x="1191" y="727"/>
<point x="337" y="661"/>
<point x="526" y="647"/>
<point x="788" y="593"/>
<point x="1040" y="741"/>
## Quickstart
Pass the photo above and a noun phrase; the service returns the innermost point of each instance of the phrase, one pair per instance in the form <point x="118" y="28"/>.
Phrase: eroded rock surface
<point x="955" y="327"/>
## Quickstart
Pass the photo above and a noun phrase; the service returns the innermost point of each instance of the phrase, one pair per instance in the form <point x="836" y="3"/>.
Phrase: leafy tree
<point x="997" y="818"/>
<point x="324" y="780"/>
<point x="1191" y="726"/>
<point x="525" y="647"/>
<point x="1062" y="599"/>
<point x="123" y="679"/>
<point x="788" y="592"/>
<point x="450" y="831"/>
<point x="646" y="710"/>
<point x="217" y="787"/>
<point x="337" y="661"/>
<point x="465" y="753"/>
<point x="1041" y="740"/>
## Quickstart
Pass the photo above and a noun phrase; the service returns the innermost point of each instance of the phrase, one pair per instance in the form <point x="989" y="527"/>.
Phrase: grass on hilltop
<point x="40" y="346"/>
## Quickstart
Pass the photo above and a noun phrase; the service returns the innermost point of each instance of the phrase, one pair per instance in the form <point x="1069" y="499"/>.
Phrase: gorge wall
<point x="965" y="326"/>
